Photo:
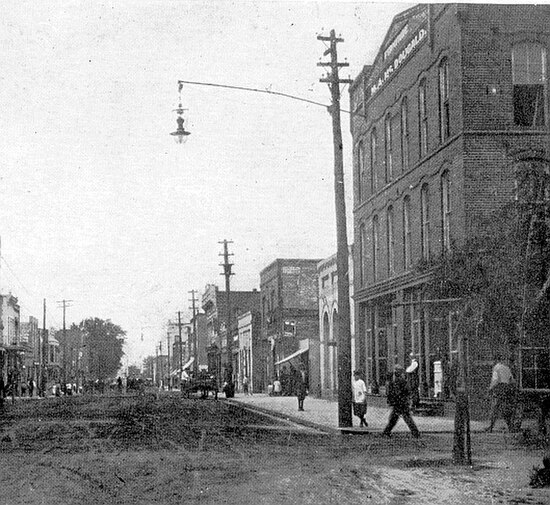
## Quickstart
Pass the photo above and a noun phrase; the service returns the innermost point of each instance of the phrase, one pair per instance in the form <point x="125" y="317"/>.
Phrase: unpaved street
<point x="143" y="450"/>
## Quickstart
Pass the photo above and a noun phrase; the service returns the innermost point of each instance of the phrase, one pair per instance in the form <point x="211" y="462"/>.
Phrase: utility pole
<point x="64" y="304"/>
<point x="344" y="313"/>
<point x="161" y="367"/>
<point x="169" y="364"/>
<point x="44" y="378"/>
<point x="194" y="309"/>
<point x="230" y="390"/>
<point x="181" y="346"/>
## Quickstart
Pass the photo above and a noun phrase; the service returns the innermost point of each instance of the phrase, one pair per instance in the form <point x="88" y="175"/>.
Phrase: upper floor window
<point x="375" y="247"/>
<point x="407" y="241"/>
<point x="529" y="79"/>
<point x="422" y="119"/>
<point x="425" y="221"/>
<point x="360" y="171"/>
<point x="444" y="117"/>
<point x="372" y="182"/>
<point x="446" y="211"/>
<point x="362" y="243"/>
<point x="388" y="150"/>
<point x="404" y="134"/>
<point x="390" y="241"/>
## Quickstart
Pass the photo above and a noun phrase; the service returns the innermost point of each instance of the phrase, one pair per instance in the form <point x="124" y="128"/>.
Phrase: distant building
<point x="30" y="336"/>
<point x="214" y="305"/>
<point x="253" y="353"/>
<point x="328" y="324"/>
<point x="290" y="317"/>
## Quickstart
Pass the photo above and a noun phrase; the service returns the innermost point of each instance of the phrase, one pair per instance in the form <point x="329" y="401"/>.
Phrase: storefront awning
<point x="294" y="355"/>
<point x="184" y="367"/>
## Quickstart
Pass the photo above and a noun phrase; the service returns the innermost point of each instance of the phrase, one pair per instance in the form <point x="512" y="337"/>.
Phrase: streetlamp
<point x="181" y="134"/>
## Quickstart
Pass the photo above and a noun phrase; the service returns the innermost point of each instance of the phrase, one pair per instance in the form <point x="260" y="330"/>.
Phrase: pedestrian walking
<point x="31" y="388"/>
<point x="503" y="395"/>
<point x="300" y="386"/>
<point x="359" y="398"/>
<point x="245" y="385"/>
<point x="277" y="388"/>
<point x="399" y="401"/>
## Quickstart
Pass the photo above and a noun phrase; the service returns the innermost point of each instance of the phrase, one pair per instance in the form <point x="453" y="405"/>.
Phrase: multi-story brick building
<point x="290" y="316"/>
<point x="454" y="103"/>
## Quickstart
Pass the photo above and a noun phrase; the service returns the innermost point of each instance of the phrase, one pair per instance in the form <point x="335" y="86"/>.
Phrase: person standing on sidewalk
<point x="300" y="385"/>
<point x="359" y="398"/>
<point x="503" y="394"/>
<point x="399" y="401"/>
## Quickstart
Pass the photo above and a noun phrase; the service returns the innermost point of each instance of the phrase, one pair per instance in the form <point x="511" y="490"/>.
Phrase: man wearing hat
<point x="359" y="398"/>
<point x="398" y="399"/>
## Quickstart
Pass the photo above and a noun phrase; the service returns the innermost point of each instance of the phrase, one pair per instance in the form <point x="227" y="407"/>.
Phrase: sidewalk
<point x="323" y="414"/>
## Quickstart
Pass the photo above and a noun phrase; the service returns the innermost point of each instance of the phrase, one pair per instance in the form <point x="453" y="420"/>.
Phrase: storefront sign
<point x="399" y="60"/>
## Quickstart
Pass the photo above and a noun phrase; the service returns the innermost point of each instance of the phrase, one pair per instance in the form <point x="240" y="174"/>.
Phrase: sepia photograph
<point x="274" y="252"/>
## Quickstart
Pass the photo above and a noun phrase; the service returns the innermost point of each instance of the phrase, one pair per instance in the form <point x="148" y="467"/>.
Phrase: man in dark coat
<point x="399" y="400"/>
<point x="300" y="385"/>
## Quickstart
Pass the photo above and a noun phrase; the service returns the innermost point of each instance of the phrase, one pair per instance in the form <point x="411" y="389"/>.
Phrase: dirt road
<point x="130" y="450"/>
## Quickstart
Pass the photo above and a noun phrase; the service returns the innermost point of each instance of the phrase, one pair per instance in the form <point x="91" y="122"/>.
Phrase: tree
<point x="104" y="342"/>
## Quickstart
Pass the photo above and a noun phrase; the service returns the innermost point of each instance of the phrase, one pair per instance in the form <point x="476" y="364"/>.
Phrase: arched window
<point x="422" y="119"/>
<point x="360" y="172"/>
<point x="446" y="211"/>
<point x="362" y="240"/>
<point x="444" y="116"/>
<point x="390" y="241"/>
<point x="404" y="134"/>
<point x="388" y="174"/>
<point x="373" y="161"/>
<point x="375" y="247"/>
<point x="425" y="221"/>
<point x="529" y="79"/>
<point x="407" y="241"/>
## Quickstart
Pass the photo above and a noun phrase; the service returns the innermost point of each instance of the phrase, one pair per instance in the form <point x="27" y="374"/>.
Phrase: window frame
<point x="425" y="221"/>
<point x="446" y="210"/>
<point x="422" y="119"/>
<point x="407" y="233"/>
<point x="390" y="240"/>
<point x="375" y="246"/>
<point x="444" y="111"/>
<point x="404" y="134"/>
<point x="373" y="160"/>
<point x="388" y="172"/>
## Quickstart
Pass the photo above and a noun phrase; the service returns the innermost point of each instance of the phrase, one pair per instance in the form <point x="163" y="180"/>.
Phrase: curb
<point x="285" y="417"/>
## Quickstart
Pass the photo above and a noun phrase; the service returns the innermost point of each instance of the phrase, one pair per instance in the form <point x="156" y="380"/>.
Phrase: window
<point x="425" y="221"/>
<point x="360" y="172"/>
<point x="422" y="119"/>
<point x="373" y="160"/>
<point x="390" y="241"/>
<point x="388" y="175"/>
<point x="375" y="246"/>
<point x="362" y="254"/>
<point x="446" y="211"/>
<point x="404" y="135"/>
<point x="407" y="244"/>
<point x="535" y="368"/>
<point x="529" y="79"/>
<point x="444" y="117"/>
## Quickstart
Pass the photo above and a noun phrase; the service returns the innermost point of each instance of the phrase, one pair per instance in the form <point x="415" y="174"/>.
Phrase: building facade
<point x="328" y="325"/>
<point x="455" y="102"/>
<point x="253" y="352"/>
<point x="214" y="305"/>
<point x="290" y="318"/>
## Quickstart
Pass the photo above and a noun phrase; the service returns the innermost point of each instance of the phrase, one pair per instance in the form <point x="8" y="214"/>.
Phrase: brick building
<point x="214" y="305"/>
<point x="290" y="317"/>
<point x="454" y="104"/>
<point x="328" y="325"/>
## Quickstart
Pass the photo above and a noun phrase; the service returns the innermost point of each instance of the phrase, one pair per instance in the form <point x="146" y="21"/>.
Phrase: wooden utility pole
<point x="194" y="309"/>
<point x="169" y="364"/>
<point x="44" y="378"/>
<point x="64" y="304"/>
<point x="342" y="253"/>
<point x="181" y="346"/>
<point x="227" y="273"/>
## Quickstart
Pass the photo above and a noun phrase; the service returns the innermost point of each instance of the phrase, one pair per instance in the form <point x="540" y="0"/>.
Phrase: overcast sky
<point x="99" y="205"/>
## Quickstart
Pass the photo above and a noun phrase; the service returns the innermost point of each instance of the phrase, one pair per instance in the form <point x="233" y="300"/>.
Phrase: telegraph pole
<point x="230" y="391"/>
<point x="181" y="346"/>
<point x="344" y="313"/>
<point x="64" y="304"/>
<point x="161" y="367"/>
<point x="44" y="378"/>
<point x="169" y="365"/>
<point x="194" y="309"/>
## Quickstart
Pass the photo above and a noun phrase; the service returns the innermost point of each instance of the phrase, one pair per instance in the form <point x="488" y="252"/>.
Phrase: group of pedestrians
<point x="398" y="398"/>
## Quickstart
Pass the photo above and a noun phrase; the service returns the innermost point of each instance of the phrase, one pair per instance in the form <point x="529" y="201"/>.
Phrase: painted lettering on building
<point x="399" y="60"/>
